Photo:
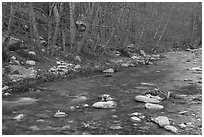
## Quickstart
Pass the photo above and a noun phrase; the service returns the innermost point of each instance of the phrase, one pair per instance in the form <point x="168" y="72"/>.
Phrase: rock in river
<point x="153" y="106"/>
<point x="135" y="119"/>
<point x="171" y="128"/>
<point x="60" y="114"/>
<point x="106" y="97"/>
<point x="110" y="70"/>
<point x="30" y="62"/>
<point x="107" y="104"/>
<point x="162" y="121"/>
<point x="146" y="99"/>
<point x="116" y="127"/>
<point x="18" y="117"/>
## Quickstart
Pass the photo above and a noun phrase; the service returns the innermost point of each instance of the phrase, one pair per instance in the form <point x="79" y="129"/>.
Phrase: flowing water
<point x="70" y="96"/>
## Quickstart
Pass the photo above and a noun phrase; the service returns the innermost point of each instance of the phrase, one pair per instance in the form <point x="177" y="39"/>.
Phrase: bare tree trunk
<point x="31" y="34"/>
<point x="165" y="27"/>
<point x="113" y="30"/>
<point x="12" y="13"/>
<point x="36" y="36"/>
<point x="5" y="41"/>
<point x="63" y="29"/>
<point x="159" y="25"/>
<point x="57" y="20"/>
<point x="72" y="23"/>
<point x="194" y="27"/>
<point x="8" y="32"/>
<point x="63" y="40"/>
<point x="154" y="11"/>
<point x="88" y="28"/>
<point x="143" y="29"/>
<point x="49" y="27"/>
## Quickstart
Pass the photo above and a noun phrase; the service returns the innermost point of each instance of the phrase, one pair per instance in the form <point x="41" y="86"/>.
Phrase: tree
<point x="88" y="28"/>
<point x="72" y="23"/>
<point x="49" y="41"/>
<point x="57" y="20"/>
<point x="8" y="34"/>
<point x="35" y="31"/>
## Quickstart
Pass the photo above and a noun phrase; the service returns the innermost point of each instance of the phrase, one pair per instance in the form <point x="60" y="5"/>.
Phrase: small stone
<point x="135" y="57"/>
<point x="86" y="105"/>
<point x="134" y="114"/>
<point x="31" y="53"/>
<point x="150" y="63"/>
<point x="183" y="112"/>
<point x="142" y="53"/>
<point x="40" y="120"/>
<point x="147" y="84"/>
<point x="196" y="69"/>
<point x="114" y="116"/>
<point x="155" y="97"/>
<point x="30" y="62"/>
<point x="16" y="62"/>
<point x="182" y="125"/>
<point x="78" y="58"/>
<point x="110" y="70"/>
<point x="162" y="121"/>
<point x="116" y="127"/>
<point x="13" y="57"/>
<point x="77" y="67"/>
<point x="188" y="50"/>
<point x="6" y="94"/>
<point x="141" y="116"/>
<point x="146" y="99"/>
<point x="188" y="80"/>
<point x="125" y="64"/>
<point x="108" y="104"/>
<point x="18" y="117"/>
<point x="135" y="119"/>
<point x="171" y="128"/>
<point x="72" y="108"/>
<point x="5" y="88"/>
<point x="106" y="97"/>
<point x="151" y="106"/>
<point x="59" y="114"/>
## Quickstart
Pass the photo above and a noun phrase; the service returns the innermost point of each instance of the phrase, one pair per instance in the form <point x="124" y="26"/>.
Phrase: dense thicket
<point x="71" y="27"/>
